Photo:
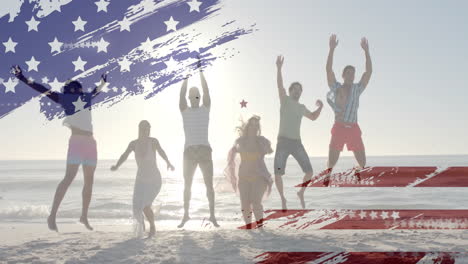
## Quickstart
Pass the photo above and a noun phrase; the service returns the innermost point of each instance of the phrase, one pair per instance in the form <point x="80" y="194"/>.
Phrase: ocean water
<point x="27" y="189"/>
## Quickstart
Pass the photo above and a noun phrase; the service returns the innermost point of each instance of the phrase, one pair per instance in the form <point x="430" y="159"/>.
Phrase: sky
<point x="413" y="105"/>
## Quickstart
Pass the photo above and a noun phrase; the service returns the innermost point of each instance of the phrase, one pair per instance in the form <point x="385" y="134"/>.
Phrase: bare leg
<point x="150" y="216"/>
<point x="361" y="159"/>
<point x="333" y="156"/>
<point x="207" y="171"/>
<point x="62" y="188"/>
<point x="300" y="193"/>
<point x="244" y="194"/>
<point x="279" y="186"/>
<point x="256" y="198"/>
<point x="189" y="171"/>
<point x="88" y="172"/>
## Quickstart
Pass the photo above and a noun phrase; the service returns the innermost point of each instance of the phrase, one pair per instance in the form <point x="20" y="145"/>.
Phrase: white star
<point x="147" y="45"/>
<point x="79" y="104"/>
<point x="115" y="89"/>
<point x="55" y="45"/>
<point x="362" y="214"/>
<point x="79" y="24"/>
<point x="56" y="85"/>
<point x="395" y="215"/>
<point x="403" y="223"/>
<point x="45" y="80"/>
<point x="125" y="24"/>
<point x="32" y="64"/>
<point x="373" y="215"/>
<point x="384" y="215"/>
<point x="10" y="45"/>
<point x="147" y="84"/>
<point x="102" y="5"/>
<point x="32" y="24"/>
<point x="125" y="64"/>
<point x="102" y="45"/>
<point x="171" y="64"/>
<point x="194" y="5"/>
<point x="10" y="85"/>
<point x="30" y="80"/>
<point x="124" y="89"/>
<point x="171" y="24"/>
<point x="79" y="64"/>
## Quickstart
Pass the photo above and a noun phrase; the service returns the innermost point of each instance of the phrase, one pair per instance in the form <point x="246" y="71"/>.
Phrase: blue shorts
<point x="294" y="147"/>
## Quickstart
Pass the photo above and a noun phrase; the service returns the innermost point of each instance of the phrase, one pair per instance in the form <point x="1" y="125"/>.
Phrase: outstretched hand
<point x="104" y="77"/>
<point x="279" y="61"/>
<point x="333" y="42"/>
<point x="365" y="44"/>
<point x="170" y="167"/>
<point x="16" y="70"/>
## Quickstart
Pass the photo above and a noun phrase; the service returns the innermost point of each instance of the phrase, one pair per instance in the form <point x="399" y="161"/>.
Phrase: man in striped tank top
<point x="344" y="100"/>
<point x="197" y="149"/>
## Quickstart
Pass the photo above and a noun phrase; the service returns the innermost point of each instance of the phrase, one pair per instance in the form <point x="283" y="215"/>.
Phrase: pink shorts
<point x="82" y="150"/>
<point x="345" y="133"/>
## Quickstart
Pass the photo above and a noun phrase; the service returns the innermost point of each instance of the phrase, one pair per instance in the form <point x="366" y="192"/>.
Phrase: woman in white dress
<point x="148" y="180"/>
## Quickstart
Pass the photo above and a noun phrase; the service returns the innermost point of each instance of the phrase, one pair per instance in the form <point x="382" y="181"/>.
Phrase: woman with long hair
<point x="253" y="180"/>
<point x="148" y="179"/>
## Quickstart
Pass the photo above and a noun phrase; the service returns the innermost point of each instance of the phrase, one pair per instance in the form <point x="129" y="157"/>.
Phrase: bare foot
<point x="184" y="220"/>
<point x="51" y="223"/>
<point x="283" y="204"/>
<point x="84" y="221"/>
<point x="300" y="194"/>
<point x="213" y="220"/>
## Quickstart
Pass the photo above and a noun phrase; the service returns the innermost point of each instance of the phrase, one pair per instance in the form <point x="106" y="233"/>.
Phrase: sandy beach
<point x="33" y="243"/>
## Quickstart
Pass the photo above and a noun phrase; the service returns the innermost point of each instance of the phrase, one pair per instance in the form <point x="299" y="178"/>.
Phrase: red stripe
<point x="452" y="177"/>
<point x="395" y="177"/>
<point x="365" y="219"/>
<point x="356" y="257"/>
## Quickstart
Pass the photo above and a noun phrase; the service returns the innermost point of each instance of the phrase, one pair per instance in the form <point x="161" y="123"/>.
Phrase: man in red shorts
<point x="344" y="100"/>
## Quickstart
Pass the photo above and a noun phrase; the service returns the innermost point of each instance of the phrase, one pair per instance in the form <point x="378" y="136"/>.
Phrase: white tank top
<point x="196" y="122"/>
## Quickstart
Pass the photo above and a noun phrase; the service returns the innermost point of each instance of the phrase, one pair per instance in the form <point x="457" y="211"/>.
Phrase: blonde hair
<point x="244" y="127"/>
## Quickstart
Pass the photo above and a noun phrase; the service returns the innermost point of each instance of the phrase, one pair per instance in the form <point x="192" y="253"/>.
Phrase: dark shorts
<point x="294" y="147"/>
<point x="199" y="155"/>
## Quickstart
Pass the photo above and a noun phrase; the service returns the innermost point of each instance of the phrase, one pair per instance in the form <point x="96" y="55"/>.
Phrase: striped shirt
<point x="352" y="105"/>
<point x="196" y="122"/>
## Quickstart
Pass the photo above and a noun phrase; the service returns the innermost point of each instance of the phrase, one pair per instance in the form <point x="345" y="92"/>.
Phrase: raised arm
<point x="183" y="95"/>
<point x="330" y="74"/>
<point x="124" y="156"/>
<point x="101" y="85"/>
<point x="367" y="74"/>
<point x="314" y="115"/>
<point x="206" y="92"/>
<point x="54" y="96"/>
<point x="279" y="77"/>
<point x="163" y="155"/>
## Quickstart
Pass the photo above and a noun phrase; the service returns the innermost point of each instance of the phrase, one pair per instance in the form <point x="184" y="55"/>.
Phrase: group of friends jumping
<point x="252" y="180"/>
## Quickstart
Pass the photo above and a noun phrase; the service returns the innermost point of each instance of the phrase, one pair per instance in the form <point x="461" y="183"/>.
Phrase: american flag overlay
<point x="143" y="45"/>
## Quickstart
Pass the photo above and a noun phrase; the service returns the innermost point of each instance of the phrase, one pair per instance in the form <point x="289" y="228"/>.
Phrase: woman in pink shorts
<point x="81" y="146"/>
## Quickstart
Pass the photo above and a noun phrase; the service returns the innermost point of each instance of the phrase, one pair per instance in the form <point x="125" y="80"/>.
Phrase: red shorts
<point x="345" y="133"/>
